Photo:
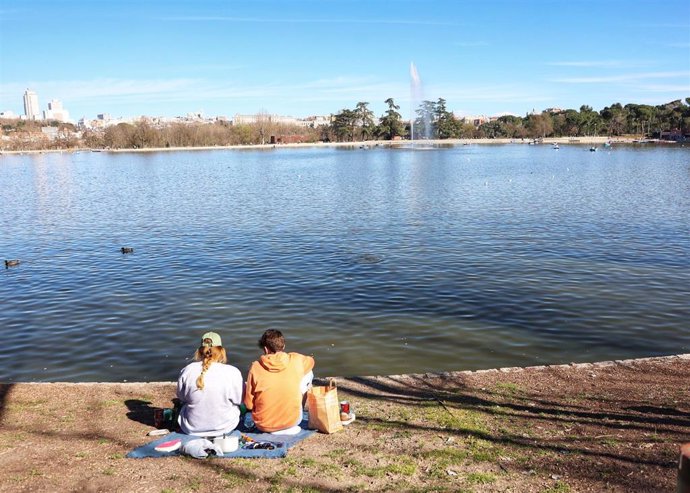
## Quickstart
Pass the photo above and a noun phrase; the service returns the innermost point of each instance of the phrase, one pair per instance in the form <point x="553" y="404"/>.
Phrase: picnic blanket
<point x="282" y="444"/>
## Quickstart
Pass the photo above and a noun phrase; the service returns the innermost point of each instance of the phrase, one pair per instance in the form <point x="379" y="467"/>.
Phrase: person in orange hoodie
<point x="276" y="385"/>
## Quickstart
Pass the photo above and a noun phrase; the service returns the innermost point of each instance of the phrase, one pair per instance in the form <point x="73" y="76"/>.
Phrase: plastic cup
<point x="227" y="444"/>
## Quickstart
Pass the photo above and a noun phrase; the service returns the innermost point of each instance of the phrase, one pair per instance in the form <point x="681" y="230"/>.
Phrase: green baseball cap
<point x="213" y="338"/>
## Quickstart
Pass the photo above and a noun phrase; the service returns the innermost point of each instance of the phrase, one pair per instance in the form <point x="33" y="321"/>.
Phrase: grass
<point x="446" y="456"/>
<point x="360" y="469"/>
<point x="464" y="420"/>
<point x="404" y="466"/>
<point x="483" y="450"/>
<point x="392" y="465"/>
<point x="194" y="484"/>
<point x="559" y="487"/>
<point x="508" y="387"/>
<point x="337" y="453"/>
<point x="481" y="478"/>
<point x="22" y="406"/>
<point x="232" y="480"/>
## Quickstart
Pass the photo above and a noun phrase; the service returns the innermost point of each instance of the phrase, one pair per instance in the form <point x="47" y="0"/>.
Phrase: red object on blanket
<point x="169" y="446"/>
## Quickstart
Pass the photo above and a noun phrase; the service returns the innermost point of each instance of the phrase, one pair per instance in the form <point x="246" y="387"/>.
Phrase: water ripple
<point x="377" y="262"/>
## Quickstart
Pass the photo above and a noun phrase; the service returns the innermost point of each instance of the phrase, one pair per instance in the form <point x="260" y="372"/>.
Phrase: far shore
<point x="591" y="140"/>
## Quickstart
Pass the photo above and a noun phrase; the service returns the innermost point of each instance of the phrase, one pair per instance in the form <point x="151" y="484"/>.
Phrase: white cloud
<point x="669" y="88"/>
<point x="263" y="20"/>
<point x="621" y="78"/>
<point x="601" y="63"/>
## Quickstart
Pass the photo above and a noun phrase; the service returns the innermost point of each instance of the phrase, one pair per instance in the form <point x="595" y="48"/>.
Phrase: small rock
<point x="555" y="476"/>
<point x="450" y="472"/>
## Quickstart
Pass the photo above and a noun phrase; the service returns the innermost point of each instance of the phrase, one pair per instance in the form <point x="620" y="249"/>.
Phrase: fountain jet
<point x="416" y="98"/>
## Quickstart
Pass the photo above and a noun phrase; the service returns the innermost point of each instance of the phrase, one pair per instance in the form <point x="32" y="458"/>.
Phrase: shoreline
<point x="366" y="144"/>
<point x="421" y="376"/>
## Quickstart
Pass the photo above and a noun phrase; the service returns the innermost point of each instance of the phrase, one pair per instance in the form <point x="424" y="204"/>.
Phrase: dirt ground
<point x="613" y="426"/>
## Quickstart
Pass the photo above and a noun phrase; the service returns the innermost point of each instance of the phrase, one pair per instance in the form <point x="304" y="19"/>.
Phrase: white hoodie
<point x="213" y="411"/>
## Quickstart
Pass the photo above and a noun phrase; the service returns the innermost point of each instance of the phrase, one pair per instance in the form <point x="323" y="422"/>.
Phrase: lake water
<point x="377" y="261"/>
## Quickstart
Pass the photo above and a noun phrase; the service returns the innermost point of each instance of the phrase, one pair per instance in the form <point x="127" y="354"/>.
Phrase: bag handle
<point x="331" y="383"/>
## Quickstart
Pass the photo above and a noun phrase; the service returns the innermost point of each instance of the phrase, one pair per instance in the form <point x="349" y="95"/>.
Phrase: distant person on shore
<point x="210" y="391"/>
<point x="276" y="385"/>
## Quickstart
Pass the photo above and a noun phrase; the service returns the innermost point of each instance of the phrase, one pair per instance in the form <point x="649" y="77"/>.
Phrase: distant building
<point x="310" y="121"/>
<point x="55" y="111"/>
<point x="475" y="120"/>
<point x="31" y="108"/>
<point x="318" y="121"/>
<point x="10" y="115"/>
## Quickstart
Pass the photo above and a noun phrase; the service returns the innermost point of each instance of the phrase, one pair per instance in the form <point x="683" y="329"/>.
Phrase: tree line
<point x="432" y="121"/>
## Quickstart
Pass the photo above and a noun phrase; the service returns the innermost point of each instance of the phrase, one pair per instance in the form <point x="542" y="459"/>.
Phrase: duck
<point x="127" y="250"/>
<point x="11" y="263"/>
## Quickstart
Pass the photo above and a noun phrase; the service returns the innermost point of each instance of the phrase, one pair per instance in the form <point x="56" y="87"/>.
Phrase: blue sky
<point x="307" y="57"/>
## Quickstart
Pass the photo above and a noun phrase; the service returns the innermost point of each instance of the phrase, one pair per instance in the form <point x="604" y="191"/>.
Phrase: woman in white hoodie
<point x="210" y="391"/>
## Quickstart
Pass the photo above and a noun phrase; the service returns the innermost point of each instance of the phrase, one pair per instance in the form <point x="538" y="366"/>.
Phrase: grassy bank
<point x="612" y="426"/>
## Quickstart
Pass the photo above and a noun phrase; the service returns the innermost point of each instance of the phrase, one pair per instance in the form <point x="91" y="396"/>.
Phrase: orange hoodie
<point x="272" y="392"/>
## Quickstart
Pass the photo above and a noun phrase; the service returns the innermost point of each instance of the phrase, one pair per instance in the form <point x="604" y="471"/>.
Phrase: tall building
<point x="31" y="109"/>
<point x="55" y="111"/>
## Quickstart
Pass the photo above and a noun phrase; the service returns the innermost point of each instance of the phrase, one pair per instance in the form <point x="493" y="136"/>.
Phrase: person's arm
<point x="237" y="389"/>
<point x="249" y="392"/>
<point x="181" y="391"/>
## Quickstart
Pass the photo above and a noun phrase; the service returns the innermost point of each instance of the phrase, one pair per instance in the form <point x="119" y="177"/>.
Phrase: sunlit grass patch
<point x="22" y="406"/>
<point x="403" y="465"/>
<point x="481" y="478"/>
<point x="382" y="426"/>
<point x="483" y="450"/>
<point x="445" y="457"/>
<point x="108" y="403"/>
<point x="464" y="420"/>
<point x="337" y="453"/>
<point x="359" y="469"/>
<point x="508" y="387"/>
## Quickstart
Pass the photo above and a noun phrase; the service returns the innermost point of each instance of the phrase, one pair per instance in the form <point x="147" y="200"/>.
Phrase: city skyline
<point x="306" y="58"/>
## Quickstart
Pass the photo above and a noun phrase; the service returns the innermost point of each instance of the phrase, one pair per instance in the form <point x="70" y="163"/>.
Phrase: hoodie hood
<point x="275" y="362"/>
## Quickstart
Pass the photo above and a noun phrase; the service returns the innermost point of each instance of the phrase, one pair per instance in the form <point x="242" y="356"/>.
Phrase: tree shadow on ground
<point x="563" y="451"/>
<point x="640" y="417"/>
<point x="5" y="389"/>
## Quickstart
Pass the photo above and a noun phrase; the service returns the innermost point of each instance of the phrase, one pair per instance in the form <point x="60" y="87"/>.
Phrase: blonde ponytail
<point x="208" y="355"/>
